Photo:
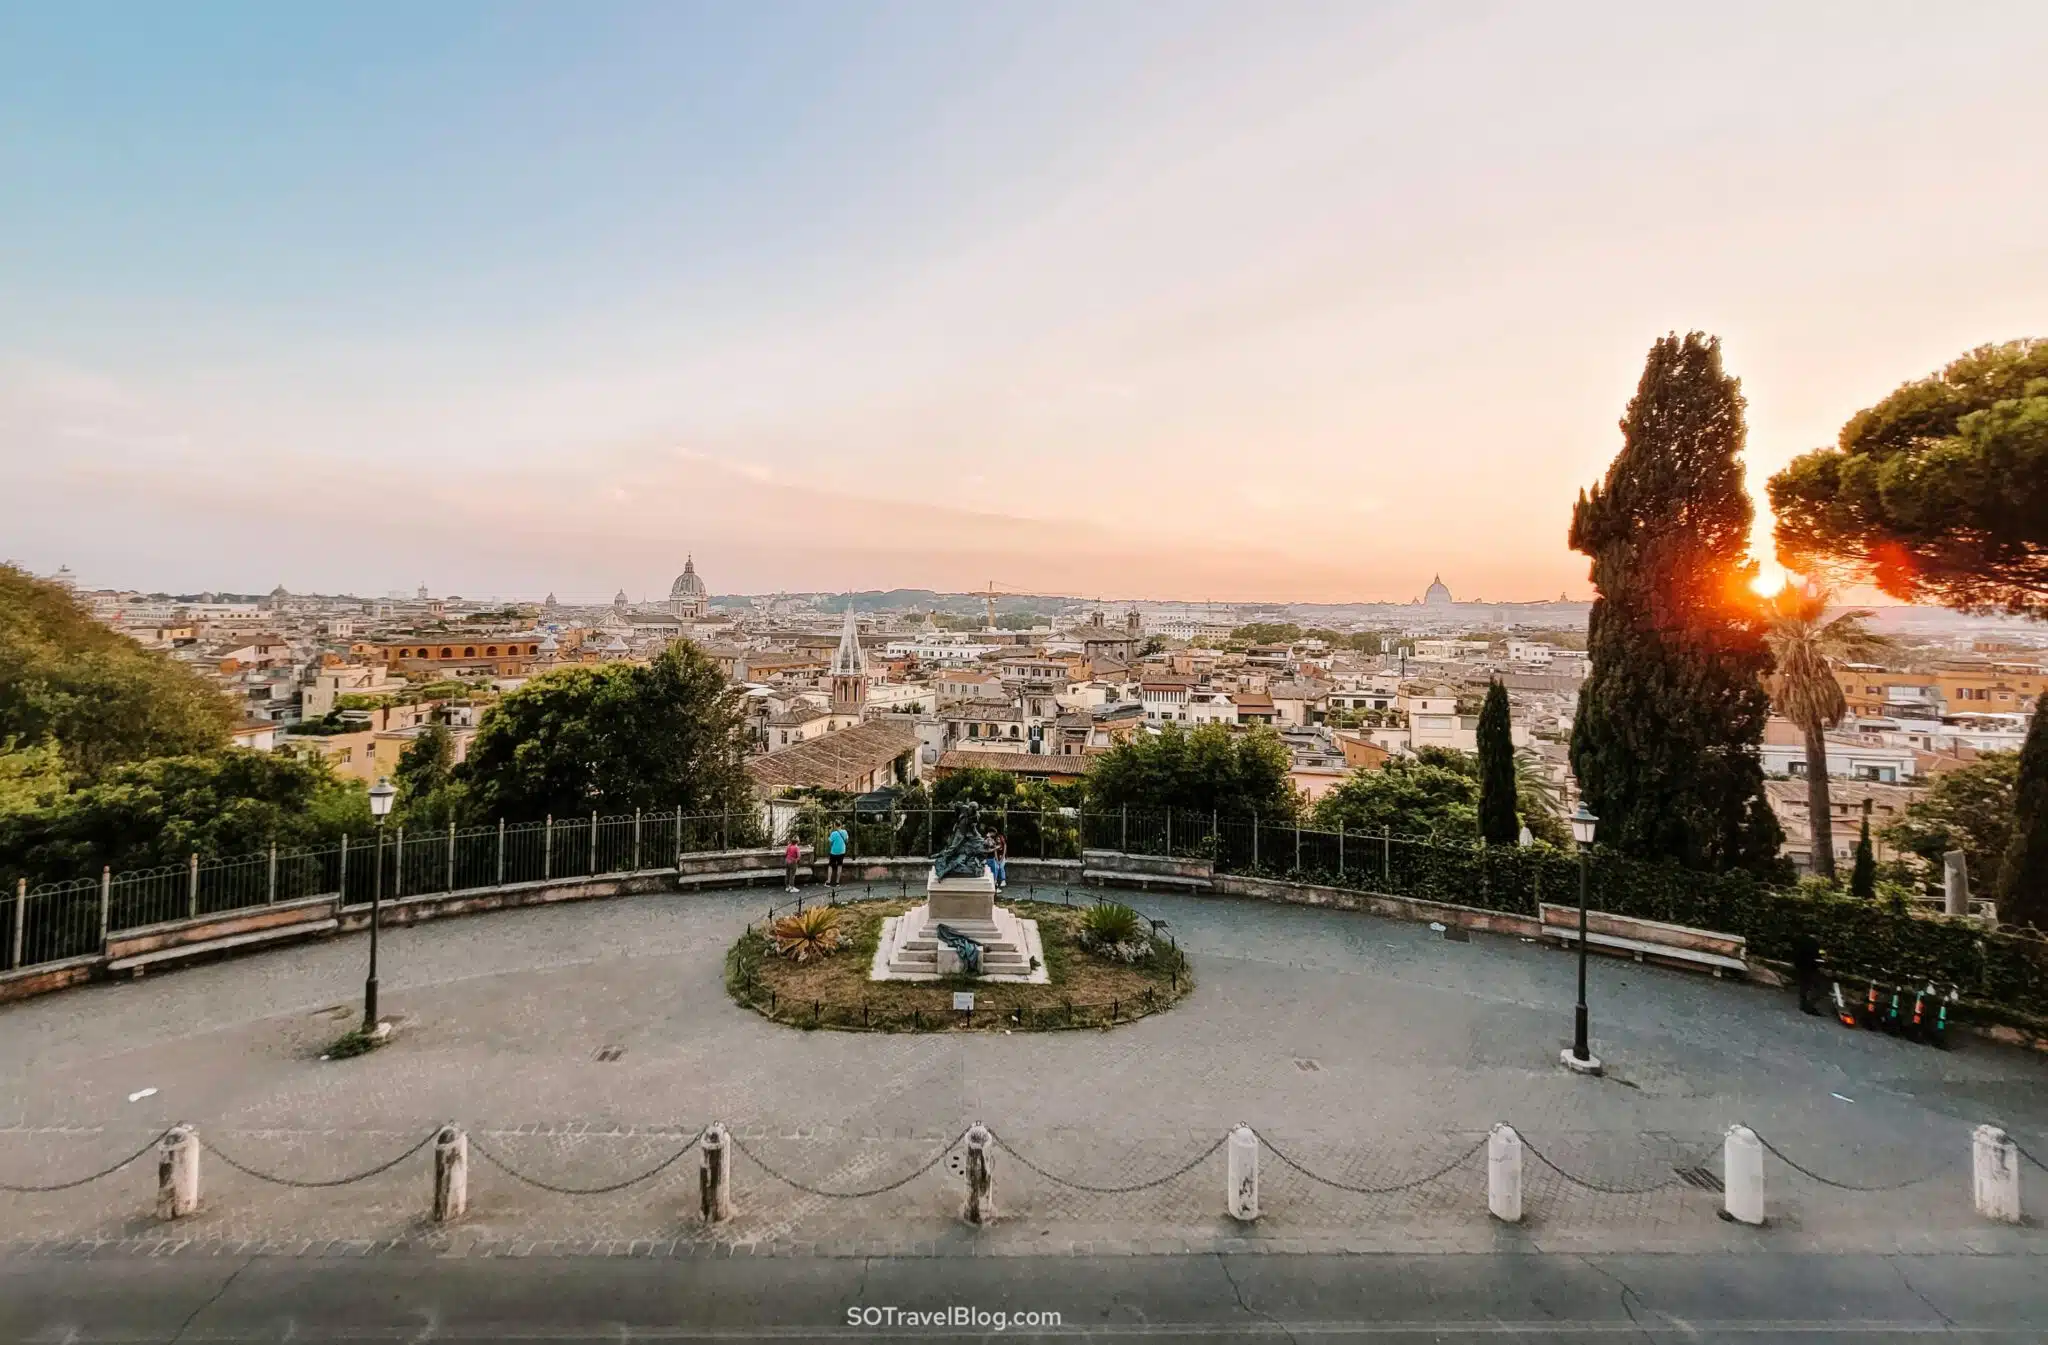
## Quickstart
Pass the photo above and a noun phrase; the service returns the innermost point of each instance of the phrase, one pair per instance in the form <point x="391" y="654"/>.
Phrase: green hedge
<point x="1862" y="939"/>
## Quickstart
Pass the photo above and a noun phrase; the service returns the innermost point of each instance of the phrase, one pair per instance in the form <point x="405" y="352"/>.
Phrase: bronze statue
<point x="966" y="854"/>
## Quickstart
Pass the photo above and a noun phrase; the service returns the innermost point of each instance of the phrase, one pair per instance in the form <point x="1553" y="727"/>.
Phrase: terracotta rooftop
<point x="835" y="761"/>
<point x="1017" y="763"/>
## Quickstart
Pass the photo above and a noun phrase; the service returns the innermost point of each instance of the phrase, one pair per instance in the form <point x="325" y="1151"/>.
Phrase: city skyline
<point x="1289" y="307"/>
<point x="660" y="594"/>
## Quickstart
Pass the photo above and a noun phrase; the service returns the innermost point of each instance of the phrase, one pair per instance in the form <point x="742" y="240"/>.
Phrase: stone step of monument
<point x="990" y="957"/>
<point x="995" y="938"/>
<point x="982" y="934"/>
<point x="973" y="929"/>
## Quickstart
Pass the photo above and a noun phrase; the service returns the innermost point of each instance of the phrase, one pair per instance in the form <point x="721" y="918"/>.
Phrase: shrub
<point x="1110" y="922"/>
<point x="806" y="935"/>
<point x="1115" y="931"/>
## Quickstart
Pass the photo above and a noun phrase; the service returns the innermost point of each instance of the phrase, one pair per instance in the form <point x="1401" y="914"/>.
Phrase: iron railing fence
<point x="54" y="921"/>
<point x="58" y="920"/>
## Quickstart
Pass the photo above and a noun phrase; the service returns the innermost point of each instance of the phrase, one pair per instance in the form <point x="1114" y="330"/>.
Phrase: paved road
<point x="1384" y="1299"/>
<point x="1369" y="1051"/>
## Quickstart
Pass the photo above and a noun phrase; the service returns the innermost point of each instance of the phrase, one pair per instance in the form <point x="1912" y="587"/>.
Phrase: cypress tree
<point x="1863" y="877"/>
<point x="1664" y="744"/>
<point x="1497" y="822"/>
<point x="2023" y="877"/>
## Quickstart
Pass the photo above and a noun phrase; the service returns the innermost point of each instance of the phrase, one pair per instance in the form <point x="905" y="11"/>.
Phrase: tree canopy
<point x="612" y="738"/>
<point x="1968" y="809"/>
<point x="101" y="698"/>
<point x="2023" y="872"/>
<point x="1668" y="722"/>
<point x="30" y="777"/>
<point x="976" y="784"/>
<point x="1498" y="786"/>
<point x="159" y="811"/>
<point x="1364" y="641"/>
<point x="1408" y="797"/>
<point x="1207" y="768"/>
<point x="1940" y="491"/>
<point x="429" y="794"/>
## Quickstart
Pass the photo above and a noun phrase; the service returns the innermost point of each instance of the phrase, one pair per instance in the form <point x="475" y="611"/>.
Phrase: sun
<point x="1769" y="580"/>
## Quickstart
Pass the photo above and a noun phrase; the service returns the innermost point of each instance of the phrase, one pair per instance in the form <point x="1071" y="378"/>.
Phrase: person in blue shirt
<point x="998" y="859"/>
<point x="836" y="847"/>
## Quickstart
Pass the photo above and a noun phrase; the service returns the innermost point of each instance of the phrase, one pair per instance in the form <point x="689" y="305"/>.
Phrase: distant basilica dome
<point x="688" y="599"/>
<point x="1437" y="595"/>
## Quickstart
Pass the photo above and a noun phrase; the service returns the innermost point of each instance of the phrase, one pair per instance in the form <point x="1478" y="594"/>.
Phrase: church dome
<point x="688" y="585"/>
<point x="1437" y="595"/>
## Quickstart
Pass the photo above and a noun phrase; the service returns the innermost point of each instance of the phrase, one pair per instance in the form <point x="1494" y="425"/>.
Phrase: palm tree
<point x="1805" y="648"/>
<point x="1531" y="779"/>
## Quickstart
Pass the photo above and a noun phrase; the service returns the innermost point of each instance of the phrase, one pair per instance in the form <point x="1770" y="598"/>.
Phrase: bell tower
<point x="849" y="670"/>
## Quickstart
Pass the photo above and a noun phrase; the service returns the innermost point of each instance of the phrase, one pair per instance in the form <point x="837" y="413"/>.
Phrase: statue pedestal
<point x="956" y="899"/>
<point x="910" y="950"/>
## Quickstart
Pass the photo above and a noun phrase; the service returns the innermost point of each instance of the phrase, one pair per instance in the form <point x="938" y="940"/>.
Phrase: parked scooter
<point x="1895" y="1013"/>
<point x="1843" y="1009"/>
<point x="1921" y="1024"/>
<point x="1937" y="1035"/>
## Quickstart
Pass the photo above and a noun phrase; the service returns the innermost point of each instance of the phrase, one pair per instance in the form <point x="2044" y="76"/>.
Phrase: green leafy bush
<point x="1113" y="930"/>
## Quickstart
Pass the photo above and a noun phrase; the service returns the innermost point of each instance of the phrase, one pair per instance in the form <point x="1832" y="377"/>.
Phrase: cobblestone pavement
<point x="1369" y="1052"/>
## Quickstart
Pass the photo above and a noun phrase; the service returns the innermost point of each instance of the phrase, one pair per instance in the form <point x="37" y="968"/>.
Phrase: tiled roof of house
<point x="1018" y="763"/>
<point x="839" y="760"/>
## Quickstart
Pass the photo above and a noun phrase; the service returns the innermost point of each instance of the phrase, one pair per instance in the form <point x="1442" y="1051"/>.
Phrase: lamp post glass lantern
<point x="1580" y="1058"/>
<point x="381" y="796"/>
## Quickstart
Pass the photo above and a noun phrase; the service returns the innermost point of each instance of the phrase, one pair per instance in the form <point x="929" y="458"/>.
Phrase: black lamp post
<point x="1580" y="1059"/>
<point x="381" y="795"/>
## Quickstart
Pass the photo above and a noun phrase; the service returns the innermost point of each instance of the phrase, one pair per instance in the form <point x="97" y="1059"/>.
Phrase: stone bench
<point x="735" y="878"/>
<point x="1114" y="868"/>
<point x="137" y="951"/>
<point x="1649" y="938"/>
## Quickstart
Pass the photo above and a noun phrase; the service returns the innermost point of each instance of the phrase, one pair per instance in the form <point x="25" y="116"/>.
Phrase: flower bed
<point x="832" y="989"/>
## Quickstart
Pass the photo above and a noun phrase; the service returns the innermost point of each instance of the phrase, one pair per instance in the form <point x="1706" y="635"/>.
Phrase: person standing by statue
<point x="998" y="855"/>
<point x="836" y="848"/>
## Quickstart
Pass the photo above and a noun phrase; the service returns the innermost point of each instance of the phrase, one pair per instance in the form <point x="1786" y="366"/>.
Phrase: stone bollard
<point x="1243" y="1193"/>
<point x="451" y="1174"/>
<point x="177" y="1173"/>
<point x="1504" y="1174"/>
<point x="1995" y="1174"/>
<point x="714" y="1175"/>
<point x="981" y="1202"/>
<point x="1742" y="1174"/>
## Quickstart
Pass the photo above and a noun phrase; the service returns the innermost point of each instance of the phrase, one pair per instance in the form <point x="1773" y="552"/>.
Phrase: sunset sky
<point x="1250" y="301"/>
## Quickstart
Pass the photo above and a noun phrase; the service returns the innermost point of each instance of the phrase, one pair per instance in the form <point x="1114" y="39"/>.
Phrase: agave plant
<point x="805" y="935"/>
<point x="1110" y="922"/>
<point x="1114" y="930"/>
